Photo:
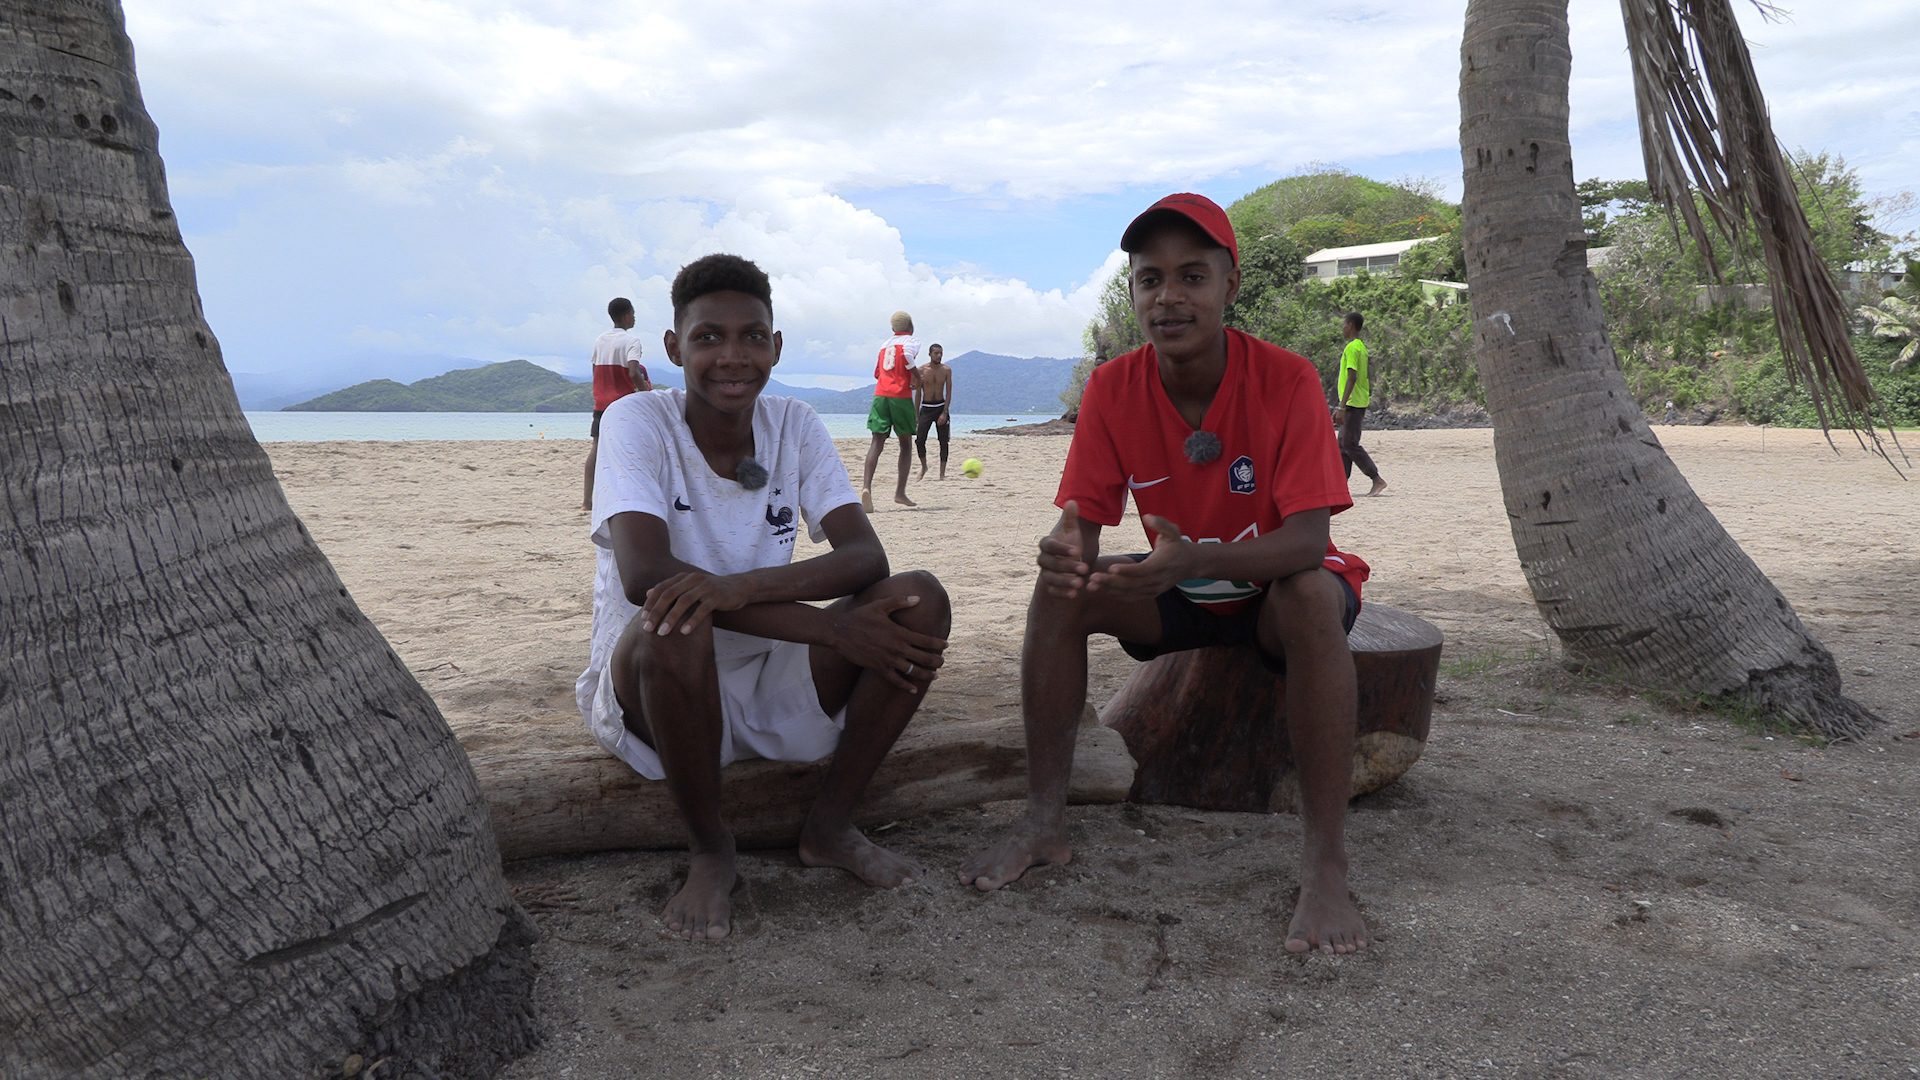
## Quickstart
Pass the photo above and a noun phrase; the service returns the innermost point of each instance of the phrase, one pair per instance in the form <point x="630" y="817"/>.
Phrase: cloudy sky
<point x="369" y="186"/>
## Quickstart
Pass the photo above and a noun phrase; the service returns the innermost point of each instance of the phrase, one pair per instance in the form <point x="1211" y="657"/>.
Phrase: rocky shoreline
<point x="1465" y="415"/>
<point x="1059" y="425"/>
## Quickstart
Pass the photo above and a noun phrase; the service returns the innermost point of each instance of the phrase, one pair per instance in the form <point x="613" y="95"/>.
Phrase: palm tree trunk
<point x="236" y="836"/>
<point x="1633" y="573"/>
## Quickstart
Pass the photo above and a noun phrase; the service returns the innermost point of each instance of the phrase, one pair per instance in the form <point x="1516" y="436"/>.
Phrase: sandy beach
<point x="1577" y="880"/>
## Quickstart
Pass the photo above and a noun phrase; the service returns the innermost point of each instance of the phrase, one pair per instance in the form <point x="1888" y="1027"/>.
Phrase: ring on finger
<point x="909" y="667"/>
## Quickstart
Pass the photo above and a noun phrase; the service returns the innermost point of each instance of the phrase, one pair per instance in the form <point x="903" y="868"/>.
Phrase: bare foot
<point x="1325" y="918"/>
<point x="1379" y="486"/>
<point x="1008" y="859"/>
<point x="866" y="500"/>
<point x="923" y="471"/>
<point x="702" y="910"/>
<point x="901" y="498"/>
<point x="851" y="851"/>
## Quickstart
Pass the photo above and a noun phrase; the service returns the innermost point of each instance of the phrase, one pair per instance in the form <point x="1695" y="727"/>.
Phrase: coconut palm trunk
<point x="236" y="837"/>
<point x="1633" y="573"/>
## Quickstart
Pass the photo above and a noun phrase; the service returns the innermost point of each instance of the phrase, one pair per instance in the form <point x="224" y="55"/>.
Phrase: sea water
<point x="409" y="427"/>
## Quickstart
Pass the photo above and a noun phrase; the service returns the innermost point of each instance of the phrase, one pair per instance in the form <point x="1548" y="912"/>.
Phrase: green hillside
<point x="1331" y="207"/>
<point x="513" y="386"/>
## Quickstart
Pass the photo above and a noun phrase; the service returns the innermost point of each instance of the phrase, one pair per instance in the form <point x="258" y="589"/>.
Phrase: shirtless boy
<point x="1222" y="440"/>
<point x="892" y="410"/>
<point x="704" y="651"/>
<point x="933" y="398"/>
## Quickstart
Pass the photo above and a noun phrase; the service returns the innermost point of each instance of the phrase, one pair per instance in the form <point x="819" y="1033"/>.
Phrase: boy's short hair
<point x="619" y="306"/>
<point x="1358" y="321"/>
<point x="901" y="322"/>
<point x="935" y="345"/>
<point x="719" y="273"/>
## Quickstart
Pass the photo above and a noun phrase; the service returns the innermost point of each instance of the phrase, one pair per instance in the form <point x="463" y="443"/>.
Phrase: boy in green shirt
<point x="1356" y="393"/>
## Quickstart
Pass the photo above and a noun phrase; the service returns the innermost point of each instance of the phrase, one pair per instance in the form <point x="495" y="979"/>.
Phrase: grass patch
<point x="1751" y="720"/>
<point x="1481" y="663"/>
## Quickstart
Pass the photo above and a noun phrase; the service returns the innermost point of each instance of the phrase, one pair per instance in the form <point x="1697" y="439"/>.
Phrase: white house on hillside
<point x="1329" y="263"/>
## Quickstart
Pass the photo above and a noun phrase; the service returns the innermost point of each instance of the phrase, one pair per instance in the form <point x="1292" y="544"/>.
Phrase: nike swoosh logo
<point x="678" y="505"/>
<point x="1132" y="484"/>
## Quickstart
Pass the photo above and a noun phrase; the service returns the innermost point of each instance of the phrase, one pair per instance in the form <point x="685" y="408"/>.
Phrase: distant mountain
<point x="266" y="390"/>
<point x="812" y="395"/>
<point x="982" y="383"/>
<point x="663" y="373"/>
<point x="513" y="386"/>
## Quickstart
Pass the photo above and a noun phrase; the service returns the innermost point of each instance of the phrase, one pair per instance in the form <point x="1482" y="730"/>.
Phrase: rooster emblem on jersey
<point x="782" y="522"/>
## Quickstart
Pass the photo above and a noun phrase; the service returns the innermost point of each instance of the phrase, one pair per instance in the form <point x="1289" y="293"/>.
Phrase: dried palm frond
<point x="1704" y="130"/>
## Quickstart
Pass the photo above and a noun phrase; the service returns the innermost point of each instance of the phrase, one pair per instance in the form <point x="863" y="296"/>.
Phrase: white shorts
<point x="768" y="706"/>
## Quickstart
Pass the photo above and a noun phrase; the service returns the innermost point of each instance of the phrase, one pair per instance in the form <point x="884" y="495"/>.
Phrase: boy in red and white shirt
<point x="617" y="372"/>
<point x="893" y="411"/>
<point x="1222" y="440"/>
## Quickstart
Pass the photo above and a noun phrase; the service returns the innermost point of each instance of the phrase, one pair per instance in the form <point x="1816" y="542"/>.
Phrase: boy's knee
<point x="1069" y="615"/>
<point x="675" y="657"/>
<point x="921" y="583"/>
<point x="1312" y="597"/>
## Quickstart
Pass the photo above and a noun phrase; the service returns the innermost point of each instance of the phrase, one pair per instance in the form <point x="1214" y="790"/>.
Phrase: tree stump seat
<point x="1207" y="728"/>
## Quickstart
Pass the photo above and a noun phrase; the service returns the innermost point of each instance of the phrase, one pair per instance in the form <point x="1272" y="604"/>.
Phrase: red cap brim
<point x="1198" y="209"/>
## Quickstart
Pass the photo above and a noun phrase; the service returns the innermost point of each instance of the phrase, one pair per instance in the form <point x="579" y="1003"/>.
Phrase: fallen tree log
<point x="1209" y="727"/>
<point x="581" y="799"/>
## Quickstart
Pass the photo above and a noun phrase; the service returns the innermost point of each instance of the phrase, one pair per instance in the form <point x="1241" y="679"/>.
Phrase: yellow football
<point x="971" y="467"/>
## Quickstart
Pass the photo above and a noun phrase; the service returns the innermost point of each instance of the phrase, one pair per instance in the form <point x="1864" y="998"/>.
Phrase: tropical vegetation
<point x="1709" y="347"/>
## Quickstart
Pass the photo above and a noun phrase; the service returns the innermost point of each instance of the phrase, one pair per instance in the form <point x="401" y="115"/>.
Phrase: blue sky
<point x="369" y="188"/>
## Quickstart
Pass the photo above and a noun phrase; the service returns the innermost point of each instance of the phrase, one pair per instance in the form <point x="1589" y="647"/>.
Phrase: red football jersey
<point x="893" y="368"/>
<point x="1277" y="456"/>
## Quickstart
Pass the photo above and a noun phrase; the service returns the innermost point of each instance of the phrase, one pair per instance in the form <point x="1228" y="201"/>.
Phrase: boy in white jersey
<point x="704" y="650"/>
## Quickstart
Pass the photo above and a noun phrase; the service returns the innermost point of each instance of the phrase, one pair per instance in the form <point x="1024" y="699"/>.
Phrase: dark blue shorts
<point x="594" y="432"/>
<point x="1186" y="625"/>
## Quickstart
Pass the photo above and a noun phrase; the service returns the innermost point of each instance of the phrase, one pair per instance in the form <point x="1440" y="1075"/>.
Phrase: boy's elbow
<point x="876" y="568"/>
<point x="636" y="585"/>
<point x="868" y="565"/>
<point x="636" y="594"/>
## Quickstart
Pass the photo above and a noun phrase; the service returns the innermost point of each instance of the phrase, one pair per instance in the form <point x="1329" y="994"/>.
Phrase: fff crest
<point x="1240" y="476"/>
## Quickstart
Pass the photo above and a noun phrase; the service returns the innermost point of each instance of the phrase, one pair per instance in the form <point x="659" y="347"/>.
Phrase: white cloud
<point x="501" y="167"/>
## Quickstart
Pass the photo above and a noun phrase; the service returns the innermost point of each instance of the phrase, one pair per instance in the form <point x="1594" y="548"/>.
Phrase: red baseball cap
<point x="1198" y="209"/>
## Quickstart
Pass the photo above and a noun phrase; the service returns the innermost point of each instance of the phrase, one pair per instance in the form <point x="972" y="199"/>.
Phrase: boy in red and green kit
<point x="893" y="410"/>
<point x="1222" y="442"/>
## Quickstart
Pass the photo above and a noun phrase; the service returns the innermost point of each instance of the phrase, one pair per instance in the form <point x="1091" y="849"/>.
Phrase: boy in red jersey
<point x="1222" y="441"/>
<point x="892" y="410"/>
